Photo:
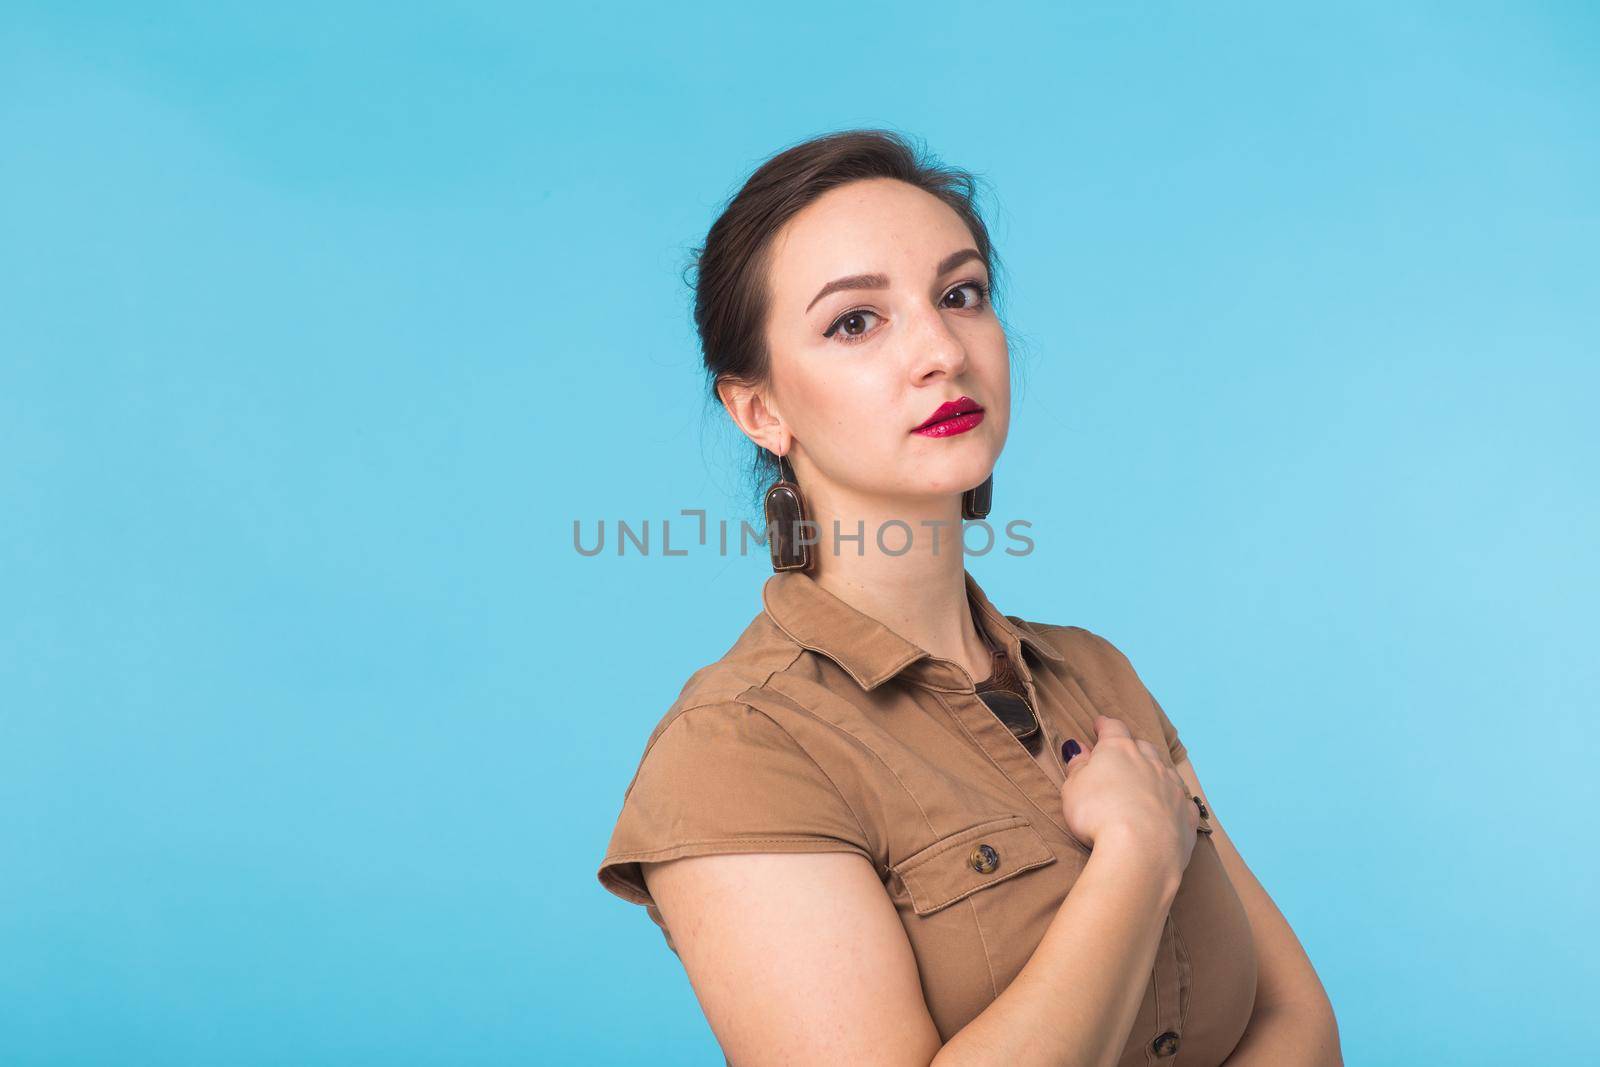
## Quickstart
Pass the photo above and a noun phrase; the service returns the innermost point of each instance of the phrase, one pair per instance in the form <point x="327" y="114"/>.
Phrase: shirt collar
<point x="869" y="651"/>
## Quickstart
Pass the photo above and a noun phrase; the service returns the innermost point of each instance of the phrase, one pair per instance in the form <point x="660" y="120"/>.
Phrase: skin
<point x="801" y="958"/>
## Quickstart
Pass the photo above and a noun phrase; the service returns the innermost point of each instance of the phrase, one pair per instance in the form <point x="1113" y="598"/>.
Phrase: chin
<point x="953" y="482"/>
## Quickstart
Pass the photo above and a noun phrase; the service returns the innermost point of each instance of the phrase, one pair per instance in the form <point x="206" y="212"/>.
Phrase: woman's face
<point x="855" y="370"/>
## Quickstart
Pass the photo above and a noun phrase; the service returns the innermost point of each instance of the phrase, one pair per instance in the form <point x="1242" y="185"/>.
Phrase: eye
<point x="851" y="326"/>
<point x="848" y="323"/>
<point x="969" y="303"/>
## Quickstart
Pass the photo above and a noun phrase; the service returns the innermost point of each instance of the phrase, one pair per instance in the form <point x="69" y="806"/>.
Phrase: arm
<point x="1293" y="1021"/>
<point x="801" y="958"/>
<point x="1076" y="999"/>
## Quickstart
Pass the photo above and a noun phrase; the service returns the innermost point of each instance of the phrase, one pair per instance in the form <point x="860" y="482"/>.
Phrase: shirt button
<point x="1165" y="1045"/>
<point x="984" y="859"/>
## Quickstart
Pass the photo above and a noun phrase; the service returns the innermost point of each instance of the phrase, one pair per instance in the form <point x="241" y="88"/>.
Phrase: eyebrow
<point x="881" y="281"/>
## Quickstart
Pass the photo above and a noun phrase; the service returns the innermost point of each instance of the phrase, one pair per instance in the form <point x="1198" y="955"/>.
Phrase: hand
<point x="1122" y="788"/>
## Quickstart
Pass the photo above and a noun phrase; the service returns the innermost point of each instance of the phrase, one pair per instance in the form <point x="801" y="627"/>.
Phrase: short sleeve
<point x="1175" y="745"/>
<point x="720" y="778"/>
<point x="1127" y="680"/>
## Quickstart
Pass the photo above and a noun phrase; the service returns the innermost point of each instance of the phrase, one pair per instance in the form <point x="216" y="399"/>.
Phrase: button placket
<point x="1053" y="742"/>
<point x="1052" y="736"/>
<point x="1169" y="982"/>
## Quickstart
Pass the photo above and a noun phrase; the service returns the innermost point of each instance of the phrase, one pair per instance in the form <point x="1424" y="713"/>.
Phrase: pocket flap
<point x="960" y="864"/>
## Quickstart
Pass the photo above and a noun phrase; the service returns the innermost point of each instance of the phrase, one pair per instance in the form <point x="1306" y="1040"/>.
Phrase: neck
<point x="920" y="594"/>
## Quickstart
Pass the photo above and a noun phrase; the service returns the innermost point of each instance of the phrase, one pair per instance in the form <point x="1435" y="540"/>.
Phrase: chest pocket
<point x="959" y="864"/>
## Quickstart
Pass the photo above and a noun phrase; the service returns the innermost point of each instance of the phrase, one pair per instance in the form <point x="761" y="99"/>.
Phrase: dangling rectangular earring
<point x="975" y="501"/>
<point x="786" y="512"/>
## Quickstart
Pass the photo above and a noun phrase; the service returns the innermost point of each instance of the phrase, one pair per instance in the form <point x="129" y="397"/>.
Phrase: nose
<point x="937" y="348"/>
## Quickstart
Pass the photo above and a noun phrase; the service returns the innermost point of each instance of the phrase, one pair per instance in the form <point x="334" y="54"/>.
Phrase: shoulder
<point x="766" y="681"/>
<point x="717" y="738"/>
<point x="1080" y="646"/>
<point x="726" y="733"/>
<point x="761" y="651"/>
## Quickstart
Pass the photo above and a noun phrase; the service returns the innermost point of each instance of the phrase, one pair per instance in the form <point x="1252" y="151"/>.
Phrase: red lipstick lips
<point x="952" y="417"/>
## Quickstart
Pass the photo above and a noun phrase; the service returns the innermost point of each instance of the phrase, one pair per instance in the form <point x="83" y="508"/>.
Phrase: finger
<point x="1150" y="751"/>
<point x="1106" y="726"/>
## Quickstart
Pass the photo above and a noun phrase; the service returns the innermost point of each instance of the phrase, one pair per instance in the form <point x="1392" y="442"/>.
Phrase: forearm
<point x="1076" y="999"/>
<point x="1289" y="1035"/>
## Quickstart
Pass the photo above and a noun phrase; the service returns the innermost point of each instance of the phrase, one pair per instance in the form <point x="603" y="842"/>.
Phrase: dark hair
<point x="731" y="267"/>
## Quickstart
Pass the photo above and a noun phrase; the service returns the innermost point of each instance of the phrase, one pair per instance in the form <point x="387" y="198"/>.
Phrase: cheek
<point x="991" y="363"/>
<point x="1002" y="387"/>
<point x="851" y="397"/>
<point x="853" y="416"/>
<point x="992" y="370"/>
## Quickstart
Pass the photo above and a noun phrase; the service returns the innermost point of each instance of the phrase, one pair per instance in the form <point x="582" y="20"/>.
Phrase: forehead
<point x="875" y="225"/>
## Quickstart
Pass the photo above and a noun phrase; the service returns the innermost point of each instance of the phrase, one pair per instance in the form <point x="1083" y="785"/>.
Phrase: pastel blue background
<point x="319" y="325"/>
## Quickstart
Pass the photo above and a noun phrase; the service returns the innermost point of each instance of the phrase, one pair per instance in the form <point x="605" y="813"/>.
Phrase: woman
<point x="892" y="825"/>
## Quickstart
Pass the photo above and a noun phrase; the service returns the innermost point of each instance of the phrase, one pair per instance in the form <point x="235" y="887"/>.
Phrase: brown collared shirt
<point x="822" y="730"/>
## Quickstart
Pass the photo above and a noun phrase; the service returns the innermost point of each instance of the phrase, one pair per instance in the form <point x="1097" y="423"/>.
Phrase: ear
<point x="751" y="410"/>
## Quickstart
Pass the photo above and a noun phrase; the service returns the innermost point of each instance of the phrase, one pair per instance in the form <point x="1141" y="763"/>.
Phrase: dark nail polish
<point x="1069" y="748"/>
